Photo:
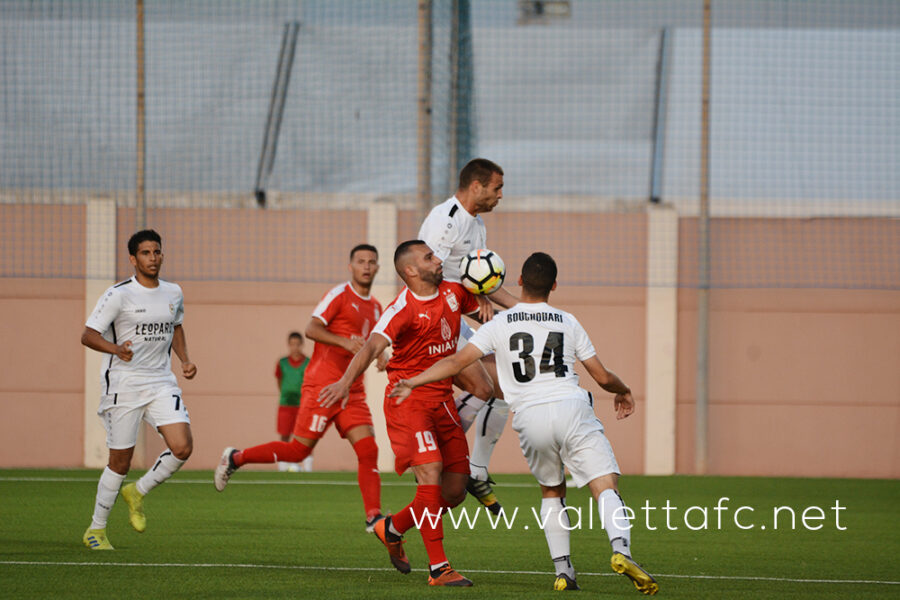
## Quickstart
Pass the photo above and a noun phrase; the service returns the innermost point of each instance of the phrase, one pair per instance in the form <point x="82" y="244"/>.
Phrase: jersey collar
<point x="531" y="305"/>
<point x="353" y="289"/>
<point x="463" y="208"/>
<point x="424" y="298"/>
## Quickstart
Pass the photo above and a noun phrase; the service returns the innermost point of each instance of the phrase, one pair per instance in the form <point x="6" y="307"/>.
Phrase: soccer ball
<point x="482" y="271"/>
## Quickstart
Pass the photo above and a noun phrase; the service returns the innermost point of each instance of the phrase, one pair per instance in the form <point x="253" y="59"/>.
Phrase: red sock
<point x="368" y="476"/>
<point x="432" y="529"/>
<point x="292" y="451"/>
<point x="402" y="520"/>
<point x="428" y="498"/>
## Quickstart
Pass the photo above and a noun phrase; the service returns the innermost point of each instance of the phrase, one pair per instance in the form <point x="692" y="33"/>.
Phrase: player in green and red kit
<point x="289" y="374"/>
<point x="340" y="325"/>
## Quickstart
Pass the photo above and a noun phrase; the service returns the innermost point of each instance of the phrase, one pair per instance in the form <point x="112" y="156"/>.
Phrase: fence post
<point x="100" y="241"/>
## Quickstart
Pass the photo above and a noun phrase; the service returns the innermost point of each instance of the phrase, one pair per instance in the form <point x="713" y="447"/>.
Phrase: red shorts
<point x="422" y="433"/>
<point x="286" y="417"/>
<point x="313" y="420"/>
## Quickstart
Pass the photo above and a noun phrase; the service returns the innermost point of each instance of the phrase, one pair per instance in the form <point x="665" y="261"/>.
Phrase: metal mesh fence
<point x="593" y="108"/>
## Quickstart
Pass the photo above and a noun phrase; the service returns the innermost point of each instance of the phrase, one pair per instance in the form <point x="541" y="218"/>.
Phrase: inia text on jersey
<point x="537" y="316"/>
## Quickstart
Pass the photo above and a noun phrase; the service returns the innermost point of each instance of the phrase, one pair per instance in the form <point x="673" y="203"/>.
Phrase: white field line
<point x="233" y="481"/>
<point x="379" y="569"/>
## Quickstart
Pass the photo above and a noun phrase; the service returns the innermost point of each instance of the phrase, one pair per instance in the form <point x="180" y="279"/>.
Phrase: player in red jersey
<point x="422" y="325"/>
<point x="339" y="325"/>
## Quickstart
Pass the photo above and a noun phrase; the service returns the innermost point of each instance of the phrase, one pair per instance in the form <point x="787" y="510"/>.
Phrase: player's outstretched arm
<point x="503" y="298"/>
<point x="609" y="381"/>
<point x="179" y="345"/>
<point x="442" y="369"/>
<point x="317" y="332"/>
<point x="338" y="391"/>
<point x="382" y="361"/>
<point x="93" y="340"/>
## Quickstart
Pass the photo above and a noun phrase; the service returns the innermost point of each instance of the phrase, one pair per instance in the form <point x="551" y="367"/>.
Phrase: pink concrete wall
<point x="802" y="381"/>
<point x="42" y="387"/>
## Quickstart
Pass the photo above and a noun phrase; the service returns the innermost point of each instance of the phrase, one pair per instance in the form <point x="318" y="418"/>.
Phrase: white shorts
<point x="564" y="433"/>
<point x="465" y="332"/>
<point x="122" y="413"/>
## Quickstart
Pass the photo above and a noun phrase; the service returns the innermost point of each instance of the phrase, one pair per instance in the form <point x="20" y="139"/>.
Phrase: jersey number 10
<point x="551" y="358"/>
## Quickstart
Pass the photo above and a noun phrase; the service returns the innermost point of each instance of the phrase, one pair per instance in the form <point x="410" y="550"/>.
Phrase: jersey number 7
<point x="551" y="358"/>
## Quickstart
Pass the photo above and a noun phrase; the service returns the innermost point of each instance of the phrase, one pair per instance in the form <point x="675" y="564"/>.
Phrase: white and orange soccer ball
<point x="482" y="271"/>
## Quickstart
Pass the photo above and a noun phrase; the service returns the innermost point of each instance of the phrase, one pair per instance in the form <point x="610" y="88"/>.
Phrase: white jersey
<point x="147" y="318"/>
<point x="536" y="346"/>
<point x="451" y="233"/>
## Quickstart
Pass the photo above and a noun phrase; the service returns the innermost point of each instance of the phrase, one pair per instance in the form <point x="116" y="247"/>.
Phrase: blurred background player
<point x="340" y="324"/>
<point x="537" y="346"/>
<point x="136" y="323"/>
<point x="422" y="326"/>
<point x="453" y="229"/>
<point x="289" y="374"/>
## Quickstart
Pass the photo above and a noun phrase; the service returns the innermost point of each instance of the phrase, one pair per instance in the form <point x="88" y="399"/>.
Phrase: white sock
<point x="467" y="406"/>
<point x="556" y="523"/>
<point x="306" y="465"/>
<point x="613" y="516"/>
<point x="282" y="466"/>
<point x="393" y="529"/>
<point x="107" y="491"/>
<point x="166" y="466"/>
<point x="489" y="425"/>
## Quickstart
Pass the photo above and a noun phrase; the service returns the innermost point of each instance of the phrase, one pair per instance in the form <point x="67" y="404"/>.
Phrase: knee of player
<point x="183" y="451"/>
<point x="454" y="500"/>
<point x="484" y="389"/>
<point x="119" y="467"/>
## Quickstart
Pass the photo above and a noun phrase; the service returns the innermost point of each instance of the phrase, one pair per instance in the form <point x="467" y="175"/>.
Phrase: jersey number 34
<point x="551" y="357"/>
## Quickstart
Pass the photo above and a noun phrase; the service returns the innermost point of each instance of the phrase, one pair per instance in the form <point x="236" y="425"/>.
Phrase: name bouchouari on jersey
<point x="536" y="316"/>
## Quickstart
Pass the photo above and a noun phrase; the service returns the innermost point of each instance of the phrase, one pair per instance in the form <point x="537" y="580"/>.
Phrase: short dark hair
<point x="144" y="235"/>
<point x="403" y="249"/>
<point x="295" y="335"/>
<point x="478" y="169"/>
<point x="539" y="274"/>
<point x="360" y="247"/>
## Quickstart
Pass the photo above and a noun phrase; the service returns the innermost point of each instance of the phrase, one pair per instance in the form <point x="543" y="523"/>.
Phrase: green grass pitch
<point x="286" y="535"/>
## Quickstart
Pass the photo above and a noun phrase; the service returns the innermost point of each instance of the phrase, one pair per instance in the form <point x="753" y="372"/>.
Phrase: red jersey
<point x="345" y="313"/>
<point x="422" y="331"/>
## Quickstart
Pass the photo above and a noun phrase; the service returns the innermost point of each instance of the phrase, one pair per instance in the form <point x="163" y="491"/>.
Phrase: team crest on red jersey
<point x="446" y="332"/>
<point x="452" y="302"/>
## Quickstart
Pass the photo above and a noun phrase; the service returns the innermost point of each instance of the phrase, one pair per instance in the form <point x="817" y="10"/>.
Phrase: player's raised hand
<point x="334" y="393"/>
<point x="401" y="390"/>
<point x="485" y="309"/>
<point x="355" y="344"/>
<point x="188" y="369"/>
<point x="624" y="405"/>
<point x="124" y="351"/>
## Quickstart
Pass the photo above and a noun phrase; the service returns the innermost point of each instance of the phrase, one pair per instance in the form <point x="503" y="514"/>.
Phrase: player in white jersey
<point x="136" y="324"/>
<point x="453" y="229"/>
<point x="536" y="347"/>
